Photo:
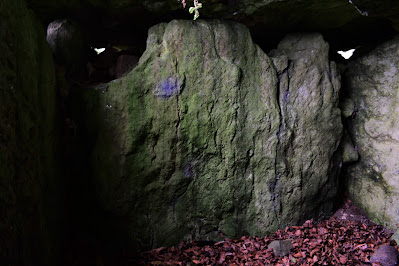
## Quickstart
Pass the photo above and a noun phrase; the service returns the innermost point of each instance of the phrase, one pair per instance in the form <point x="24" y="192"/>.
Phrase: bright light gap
<point x="346" y="54"/>
<point x="99" y="50"/>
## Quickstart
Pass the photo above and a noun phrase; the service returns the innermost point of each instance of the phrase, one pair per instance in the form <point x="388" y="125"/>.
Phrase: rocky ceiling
<point x="344" y="24"/>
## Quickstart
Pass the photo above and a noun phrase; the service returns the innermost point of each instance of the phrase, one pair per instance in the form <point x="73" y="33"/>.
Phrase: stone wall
<point x="30" y="197"/>
<point x="372" y="83"/>
<point x="208" y="137"/>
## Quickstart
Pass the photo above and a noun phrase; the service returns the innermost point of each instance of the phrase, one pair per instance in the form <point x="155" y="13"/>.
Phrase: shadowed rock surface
<point x="31" y="189"/>
<point x="212" y="139"/>
<point x="309" y="86"/>
<point x="372" y="84"/>
<point x="207" y="137"/>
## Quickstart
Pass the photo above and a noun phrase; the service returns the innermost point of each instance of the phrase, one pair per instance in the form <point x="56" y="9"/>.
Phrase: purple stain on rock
<point x="286" y="96"/>
<point x="169" y="87"/>
<point x="189" y="171"/>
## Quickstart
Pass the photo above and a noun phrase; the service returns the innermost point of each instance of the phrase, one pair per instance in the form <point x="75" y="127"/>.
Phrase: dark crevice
<point x="277" y="174"/>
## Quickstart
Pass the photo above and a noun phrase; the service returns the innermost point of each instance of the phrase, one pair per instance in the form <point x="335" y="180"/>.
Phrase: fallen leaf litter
<point x="331" y="242"/>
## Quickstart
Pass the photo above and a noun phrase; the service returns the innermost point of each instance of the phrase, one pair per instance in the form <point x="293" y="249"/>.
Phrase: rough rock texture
<point x="29" y="193"/>
<point x="385" y="255"/>
<point x="348" y="149"/>
<point x="202" y="138"/>
<point x="281" y="248"/>
<point x="66" y="41"/>
<point x="310" y="126"/>
<point x="372" y="84"/>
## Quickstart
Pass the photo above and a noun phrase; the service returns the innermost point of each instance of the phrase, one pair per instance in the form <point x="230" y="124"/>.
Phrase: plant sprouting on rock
<point x="193" y="8"/>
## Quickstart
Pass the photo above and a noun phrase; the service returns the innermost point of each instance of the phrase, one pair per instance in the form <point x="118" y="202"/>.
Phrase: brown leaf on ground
<point x="347" y="238"/>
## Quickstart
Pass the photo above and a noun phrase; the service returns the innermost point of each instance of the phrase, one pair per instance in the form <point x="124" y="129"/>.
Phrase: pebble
<point x="386" y="255"/>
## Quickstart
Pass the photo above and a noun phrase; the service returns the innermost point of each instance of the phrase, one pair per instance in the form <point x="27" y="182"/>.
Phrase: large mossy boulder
<point x="31" y="223"/>
<point x="372" y="83"/>
<point x="207" y="136"/>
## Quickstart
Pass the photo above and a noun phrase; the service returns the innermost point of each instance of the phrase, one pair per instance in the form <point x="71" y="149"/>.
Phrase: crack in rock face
<point x="371" y="84"/>
<point x="262" y="158"/>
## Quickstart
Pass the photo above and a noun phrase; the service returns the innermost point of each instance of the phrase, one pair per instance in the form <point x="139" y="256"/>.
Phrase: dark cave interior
<point x="123" y="34"/>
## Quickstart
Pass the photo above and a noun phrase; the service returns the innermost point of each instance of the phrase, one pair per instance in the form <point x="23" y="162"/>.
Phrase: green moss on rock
<point x="189" y="144"/>
<point x="373" y="87"/>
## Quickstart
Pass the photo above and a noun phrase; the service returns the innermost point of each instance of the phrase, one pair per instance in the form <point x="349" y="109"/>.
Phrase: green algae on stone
<point x="186" y="146"/>
<point x="372" y="84"/>
<point x="310" y="129"/>
<point x="395" y="236"/>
